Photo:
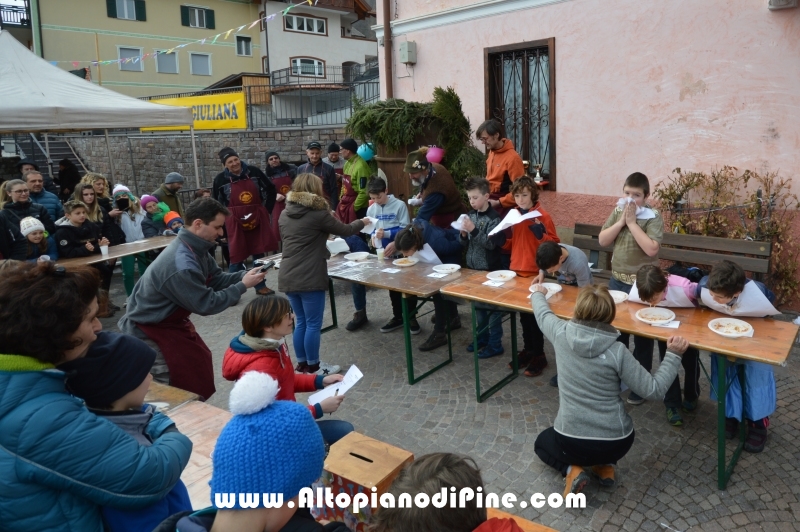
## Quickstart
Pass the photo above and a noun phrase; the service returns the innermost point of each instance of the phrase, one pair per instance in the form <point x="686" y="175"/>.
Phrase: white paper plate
<point x="552" y="288"/>
<point x="358" y="255"/>
<point x="405" y="262"/>
<point x="446" y="268"/>
<point x="501" y="275"/>
<point x="730" y="327"/>
<point x="655" y="315"/>
<point x="619" y="296"/>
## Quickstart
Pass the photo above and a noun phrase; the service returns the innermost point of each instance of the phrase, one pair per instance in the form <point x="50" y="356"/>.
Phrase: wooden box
<point x="354" y="465"/>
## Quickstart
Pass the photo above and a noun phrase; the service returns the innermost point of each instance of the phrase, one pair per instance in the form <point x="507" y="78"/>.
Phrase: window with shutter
<point x="185" y="16"/>
<point x="111" y="8"/>
<point x="126" y="9"/>
<point x="141" y="12"/>
<point x="210" y="19"/>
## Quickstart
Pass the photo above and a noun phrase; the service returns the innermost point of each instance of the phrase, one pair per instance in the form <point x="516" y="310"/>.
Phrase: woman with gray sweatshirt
<point x="592" y="430"/>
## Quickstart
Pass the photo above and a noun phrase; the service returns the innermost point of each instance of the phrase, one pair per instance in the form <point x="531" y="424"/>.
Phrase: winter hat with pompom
<point x="29" y="225"/>
<point x="268" y="446"/>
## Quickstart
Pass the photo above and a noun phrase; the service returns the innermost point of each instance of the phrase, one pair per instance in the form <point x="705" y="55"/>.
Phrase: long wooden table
<point x="121" y="250"/>
<point x="409" y="281"/>
<point x="770" y="344"/>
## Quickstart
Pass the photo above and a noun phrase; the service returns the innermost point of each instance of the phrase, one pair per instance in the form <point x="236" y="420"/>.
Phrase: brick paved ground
<point x="666" y="482"/>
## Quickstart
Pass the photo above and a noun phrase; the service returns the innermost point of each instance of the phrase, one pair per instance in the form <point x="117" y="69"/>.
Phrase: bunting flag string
<point x="201" y="42"/>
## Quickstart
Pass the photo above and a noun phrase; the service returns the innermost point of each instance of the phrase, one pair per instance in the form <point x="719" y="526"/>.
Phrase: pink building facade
<point x="635" y="85"/>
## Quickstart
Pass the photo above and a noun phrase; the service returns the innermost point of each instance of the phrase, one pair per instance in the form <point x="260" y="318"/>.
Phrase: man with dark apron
<point x="281" y="175"/>
<point x="183" y="280"/>
<point x="441" y="201"/>
<point x="354" y="200"/>
<point x="249" y="195"/>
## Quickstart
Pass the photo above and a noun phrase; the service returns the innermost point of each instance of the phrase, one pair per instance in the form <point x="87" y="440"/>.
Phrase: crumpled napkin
<point x="642" y="213"/>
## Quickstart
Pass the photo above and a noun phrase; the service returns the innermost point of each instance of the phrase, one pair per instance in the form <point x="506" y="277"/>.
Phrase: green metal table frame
<point x="407" y="335"/>
<point x="332" y="298"/>
<point x="725" y="469"/>
<point x="514" y="361"/>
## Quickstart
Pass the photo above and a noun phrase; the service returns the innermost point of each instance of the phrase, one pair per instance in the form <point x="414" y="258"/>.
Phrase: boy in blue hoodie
<point x="113" y="379"/>
<point x="392" y="215"/>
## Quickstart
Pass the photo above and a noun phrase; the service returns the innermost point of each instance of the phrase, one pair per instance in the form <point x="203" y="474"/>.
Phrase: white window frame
<point x="140" y="63"/>
<point x="299" y="71"/>
<point x="177" y="61"/>
<point x="191" y="68"/>
<point x="294" y="24"/>
<point x="120" y="14"/>
<point x="250" y="45"/>
<point x="192" y="19"/>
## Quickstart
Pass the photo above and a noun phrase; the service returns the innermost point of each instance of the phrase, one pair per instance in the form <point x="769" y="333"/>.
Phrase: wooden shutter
<point x="185" y="16"/>
<point x="141" y="12"/>
<point x="210" y="19"/>
<point x="111" y="8"/>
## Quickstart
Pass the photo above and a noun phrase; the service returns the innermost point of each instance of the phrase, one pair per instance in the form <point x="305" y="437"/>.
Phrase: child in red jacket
<point x="266" y="320"/>
<point x="523" y="244"/>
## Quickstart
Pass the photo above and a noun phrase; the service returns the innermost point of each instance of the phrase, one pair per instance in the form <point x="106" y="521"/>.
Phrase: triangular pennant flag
<point x="202" y="42"/>
<point x="54" y="63"/>
<point x="240" y="28"/>
<point x="182" y="45"/>
<point x="227" y="34"/>
<point x="253" y="24"/>
<point x="74" y="63"/>
<point x="215" y="38"/>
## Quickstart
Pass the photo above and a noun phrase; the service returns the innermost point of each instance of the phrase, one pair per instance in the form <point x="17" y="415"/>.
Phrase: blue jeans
<point x="642" y="347"/>
<point x="308" y="308"/>
<point x="493" y="336"/>
<point x="334" y="430"/>
<point x="239" y="266"/>
<point x="359" y="295"/>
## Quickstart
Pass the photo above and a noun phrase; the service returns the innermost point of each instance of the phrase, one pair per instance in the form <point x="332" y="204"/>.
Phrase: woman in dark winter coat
<point x="20" y="206"/>
<point x="98" y="215"/>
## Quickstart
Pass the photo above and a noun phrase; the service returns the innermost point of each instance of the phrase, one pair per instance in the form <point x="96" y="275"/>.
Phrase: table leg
<point x="725" y="470"/>
<point x="407" y="335"/>
<point x="481" y="397"/>
<point x="332" y="298"/>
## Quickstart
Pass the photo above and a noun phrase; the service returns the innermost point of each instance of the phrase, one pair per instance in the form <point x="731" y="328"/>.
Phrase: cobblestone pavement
<point x="666" y="482"/>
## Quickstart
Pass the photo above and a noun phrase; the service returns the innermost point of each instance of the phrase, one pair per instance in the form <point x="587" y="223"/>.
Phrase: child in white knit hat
<point x="40" y="246"/>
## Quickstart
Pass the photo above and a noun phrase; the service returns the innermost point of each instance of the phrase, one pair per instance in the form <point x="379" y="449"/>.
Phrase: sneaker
<point x="575" y="481"/>
<point x="413" y="326"/>
<point x="536" y="366"/>
<point x="523" y="359"/>
<point x="756" y="439"/>
<point x="301" y="367"/>
<point x="436" y="339"/>
<point x="634" y="399"/>
<point x="321" y="368"/>
<point x="605" y="473"/>
<point x="489" y="352"/>
<point x="731" y="428"/>
<point x="689" y="406"/>
<point x="554" y="381"/>
<point x="673" y="417"/>
<point x="358" y="321"/>
<point x="394" y="324"/>
<point x="471" y="347"/>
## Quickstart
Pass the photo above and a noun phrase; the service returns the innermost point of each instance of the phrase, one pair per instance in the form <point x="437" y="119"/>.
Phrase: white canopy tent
<point x="37" y="96"/>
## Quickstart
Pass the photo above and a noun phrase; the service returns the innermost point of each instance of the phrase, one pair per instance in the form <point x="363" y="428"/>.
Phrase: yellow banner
<point x="213" y="111"/>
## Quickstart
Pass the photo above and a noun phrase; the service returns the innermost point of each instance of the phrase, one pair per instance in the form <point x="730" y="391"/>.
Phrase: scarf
<point x="22" y="363"/>
<point x="261" y="344"/>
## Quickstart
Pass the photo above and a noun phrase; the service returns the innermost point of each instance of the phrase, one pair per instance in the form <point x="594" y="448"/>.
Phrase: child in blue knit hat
<point x="269" y="446"/>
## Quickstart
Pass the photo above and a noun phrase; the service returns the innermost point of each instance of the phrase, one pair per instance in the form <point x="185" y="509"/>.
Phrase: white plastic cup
<point x="44" y="258"/>
<point x="104" y="250"/>
<point x="379" y="251"/>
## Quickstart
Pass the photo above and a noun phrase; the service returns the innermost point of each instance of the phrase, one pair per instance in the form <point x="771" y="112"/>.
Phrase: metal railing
<point x="19" y="16"/>
<point x="318" y="75"/>
<point x="203" y="92"/>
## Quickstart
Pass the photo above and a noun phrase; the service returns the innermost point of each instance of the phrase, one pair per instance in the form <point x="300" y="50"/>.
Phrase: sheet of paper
<point x="512" y="218"/>
<point x="352" y="376"/>
<point x="670" y="325"/>
<point x="494" y="283"/>
<point x="370" y="228"/>
<point x="337" y="245"/>
<point x="437" y="275"/>
<point x="351" y="264"/>
<point x="427" y="255"/>
<point x="391" y="270"/>
<point x="457" y="224"/>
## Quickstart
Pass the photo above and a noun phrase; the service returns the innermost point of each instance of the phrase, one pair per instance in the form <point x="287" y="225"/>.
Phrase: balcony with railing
<point x="317" y="75"/>
<point x="15" y="16"/>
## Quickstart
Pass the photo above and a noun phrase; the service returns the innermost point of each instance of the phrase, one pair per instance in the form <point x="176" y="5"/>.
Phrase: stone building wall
<point x="154" y="156"/>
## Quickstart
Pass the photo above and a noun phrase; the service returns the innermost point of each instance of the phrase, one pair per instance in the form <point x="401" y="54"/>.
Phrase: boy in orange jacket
<point x="523" y="244"/>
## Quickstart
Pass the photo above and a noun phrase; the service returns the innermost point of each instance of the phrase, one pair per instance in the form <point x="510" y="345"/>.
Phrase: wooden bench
<point x="524" y="524"/>
<point x="680" y="248"/>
